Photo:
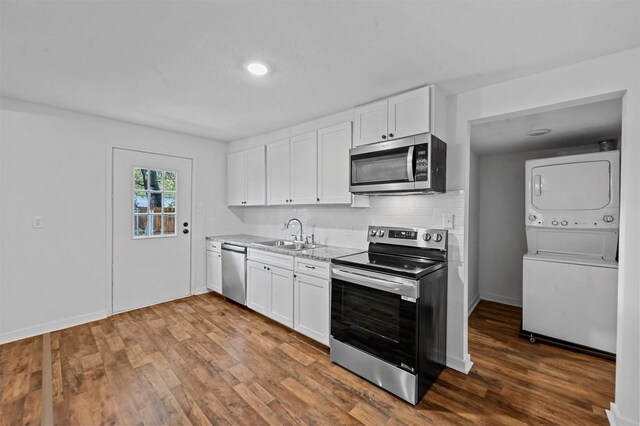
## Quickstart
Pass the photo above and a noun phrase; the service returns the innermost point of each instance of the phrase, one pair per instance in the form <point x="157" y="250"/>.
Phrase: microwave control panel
<point x="422" y="162"/>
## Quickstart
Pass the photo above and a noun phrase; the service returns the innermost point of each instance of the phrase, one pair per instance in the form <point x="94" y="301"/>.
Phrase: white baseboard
<point x="498" y="298"/>
<point x="474" y="303"/>
<point x="51" y="326"/>
<point x="461" y="365"/>
<point x="615" y="419"/>
<point x="201" y="290"/>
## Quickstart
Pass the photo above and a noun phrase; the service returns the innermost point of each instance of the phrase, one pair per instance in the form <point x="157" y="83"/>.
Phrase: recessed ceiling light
<point x="538" y="132"/>
<point x="257" y="68"/>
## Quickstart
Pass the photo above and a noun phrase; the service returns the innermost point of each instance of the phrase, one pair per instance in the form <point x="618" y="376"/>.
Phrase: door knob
<point x="185" y="231"/>
<point x="185" y="224"/>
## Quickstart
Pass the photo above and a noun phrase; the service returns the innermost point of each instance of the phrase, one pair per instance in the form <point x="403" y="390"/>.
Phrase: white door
<point x="311" y="307"/>
<point x="371" y="123"/>
<point x="409" y="113"/>
<point x="214" y="271"/>
<point x="304" y="166"/>
<point x="258" y="287"/>
<point x="278" y="173"/>
<point x="572" y="186"/>
<point x="333" y="164"/>
<point x="236" y="178"/>
<point x="255" y="172"/>
<point x="281" y="295"/>
<point x="151" y="229"/>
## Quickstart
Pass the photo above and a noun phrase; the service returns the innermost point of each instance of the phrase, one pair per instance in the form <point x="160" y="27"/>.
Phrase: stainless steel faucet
<point x="298" y="220"/>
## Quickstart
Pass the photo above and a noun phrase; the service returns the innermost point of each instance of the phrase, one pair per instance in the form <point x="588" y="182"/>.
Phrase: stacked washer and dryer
<point x="570" y="272"/>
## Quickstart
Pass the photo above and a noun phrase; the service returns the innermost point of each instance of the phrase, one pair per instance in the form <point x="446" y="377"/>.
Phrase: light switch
<point x="37" y="222"/>
<point x="447" y="221"/>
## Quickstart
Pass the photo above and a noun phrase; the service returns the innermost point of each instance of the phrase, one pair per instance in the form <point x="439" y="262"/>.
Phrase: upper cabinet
<point x="396" y="117"/>
<point x="311" y="168"/>
<point x="333" y="164"/>
<point x="245" y="177"/>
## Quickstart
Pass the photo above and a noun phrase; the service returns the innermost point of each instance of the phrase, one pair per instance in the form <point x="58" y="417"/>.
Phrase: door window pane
<point x="154" y="202"/>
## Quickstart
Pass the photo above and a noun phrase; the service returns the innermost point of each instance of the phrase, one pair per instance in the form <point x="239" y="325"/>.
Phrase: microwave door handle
<point x="410" y="164"/>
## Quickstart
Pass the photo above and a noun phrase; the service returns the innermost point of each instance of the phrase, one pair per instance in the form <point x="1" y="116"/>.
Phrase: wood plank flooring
<point x="203" y="360"/>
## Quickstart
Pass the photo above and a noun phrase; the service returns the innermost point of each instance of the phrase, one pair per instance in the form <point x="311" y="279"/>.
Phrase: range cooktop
<point x="412" y="267"/>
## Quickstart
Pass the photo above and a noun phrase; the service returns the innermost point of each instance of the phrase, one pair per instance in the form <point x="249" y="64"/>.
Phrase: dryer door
<point x="571" y="186"/>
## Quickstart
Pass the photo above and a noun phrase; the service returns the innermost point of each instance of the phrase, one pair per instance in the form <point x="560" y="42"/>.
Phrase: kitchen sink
<point x="287" y="245"/>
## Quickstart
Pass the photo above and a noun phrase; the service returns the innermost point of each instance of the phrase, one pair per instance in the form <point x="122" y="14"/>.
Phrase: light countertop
<point x="321" y="252"/>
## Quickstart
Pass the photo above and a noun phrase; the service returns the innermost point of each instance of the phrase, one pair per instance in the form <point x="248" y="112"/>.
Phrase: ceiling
<point x="178" y="65"/>
<point x="572" y="126"/>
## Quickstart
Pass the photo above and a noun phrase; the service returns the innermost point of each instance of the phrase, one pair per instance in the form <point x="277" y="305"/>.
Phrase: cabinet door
<point x="304" y="168"/>
<point x="278" y="173"/>
<point x="371" y="123"/>
<point x="256" y="173"/>
<point x="236" y="178"/>
<point x="311" y="307"/>
<point x="214" y="271"/>
<point x="258" y="287"/>
<point x="282" y="296"/>
<point x="333" y="164"/>
<point x="409" y="113"/>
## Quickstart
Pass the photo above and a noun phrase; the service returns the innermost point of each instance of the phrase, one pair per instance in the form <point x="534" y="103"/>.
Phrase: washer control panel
<point x="607" y="220"/>
<point x="412" y="237"/>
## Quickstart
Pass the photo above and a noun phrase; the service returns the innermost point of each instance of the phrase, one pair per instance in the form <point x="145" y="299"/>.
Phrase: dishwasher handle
<point x="231" y="247"/>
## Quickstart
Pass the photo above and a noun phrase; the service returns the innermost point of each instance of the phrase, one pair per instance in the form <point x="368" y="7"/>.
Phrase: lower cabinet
<point x="270" y="291"/>
<point x="214" y="266"/>
<point x="311" y="307"/>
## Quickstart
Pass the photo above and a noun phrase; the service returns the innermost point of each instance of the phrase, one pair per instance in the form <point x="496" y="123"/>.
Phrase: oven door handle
<point x="409" y="290"/>
<point x="410" y="164"/>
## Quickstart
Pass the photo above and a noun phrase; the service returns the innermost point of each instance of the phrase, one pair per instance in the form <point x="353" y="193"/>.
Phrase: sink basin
<point x="287" y="245"/>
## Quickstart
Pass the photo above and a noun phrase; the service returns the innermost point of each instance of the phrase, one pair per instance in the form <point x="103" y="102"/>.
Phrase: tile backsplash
<point x="347" y="226"/>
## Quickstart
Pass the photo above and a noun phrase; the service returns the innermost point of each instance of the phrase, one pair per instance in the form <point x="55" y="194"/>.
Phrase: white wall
<point x="502" y="237"/>
<point x="55" y="164"/>
<point x="618" y="72"/>
<point x="473" y="261"/>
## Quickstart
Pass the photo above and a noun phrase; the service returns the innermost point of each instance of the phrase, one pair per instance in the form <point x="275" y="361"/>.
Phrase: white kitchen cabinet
<point x="371" y="123"/>
<point x="392" y="118"/>
<point x="281" y="308"/>
<point x="214" y="266"/>
<point x="270" y="287"/>
<point x="246" y="177"/>
<point x="304" y="167"/>
<point x="333" y="164"/>
<point x="311" y="307"/>
<point x="236" y="178"/>
<point x="278" y="172"/>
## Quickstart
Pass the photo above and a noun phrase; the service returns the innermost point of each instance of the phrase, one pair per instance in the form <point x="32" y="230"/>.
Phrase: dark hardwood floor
<point x="202" y="360"/>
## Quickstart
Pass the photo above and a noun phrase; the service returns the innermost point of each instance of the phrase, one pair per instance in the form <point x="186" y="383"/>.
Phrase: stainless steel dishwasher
<point x="234" y="273"/>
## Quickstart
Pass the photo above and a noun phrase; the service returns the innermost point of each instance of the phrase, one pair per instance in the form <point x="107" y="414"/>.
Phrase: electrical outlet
<point x="37" y="222"/>
<point x="447" y="221"/>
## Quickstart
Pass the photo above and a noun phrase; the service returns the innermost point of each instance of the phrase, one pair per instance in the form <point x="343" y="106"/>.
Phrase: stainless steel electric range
<point x="389" y="310"/>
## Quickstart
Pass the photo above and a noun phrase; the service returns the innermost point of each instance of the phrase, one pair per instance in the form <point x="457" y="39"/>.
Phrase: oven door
<point x="376" y="313"/>
<point x="385" y="166"/>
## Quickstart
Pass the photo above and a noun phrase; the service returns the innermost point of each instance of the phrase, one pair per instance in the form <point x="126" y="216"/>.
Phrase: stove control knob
<point x="554" y="223"/>
<point x="381" y="233"/>
<point x="532" y="217"/>
<point x="426" y="236"/>
<point x="564" y="223"/>
<point x="608" y="218"/>
<point x="373" y="232"/>
<point x="438" y="238"/>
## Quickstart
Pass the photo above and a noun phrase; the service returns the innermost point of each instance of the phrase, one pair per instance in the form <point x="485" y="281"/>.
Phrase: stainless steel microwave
<point x="416" y="164"/>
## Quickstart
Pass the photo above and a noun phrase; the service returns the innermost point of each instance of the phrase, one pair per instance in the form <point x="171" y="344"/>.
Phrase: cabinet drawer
<point x="270" y="258"/>
<point x="214" y="246"/>
<point x="315" y="268"/>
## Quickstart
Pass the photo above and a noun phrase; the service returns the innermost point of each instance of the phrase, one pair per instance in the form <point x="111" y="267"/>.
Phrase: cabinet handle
<point x="390" y="135"/>
<point x="384" y="136"/>
<point x="309" y="267"/>
<point x="318" y="199"/>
